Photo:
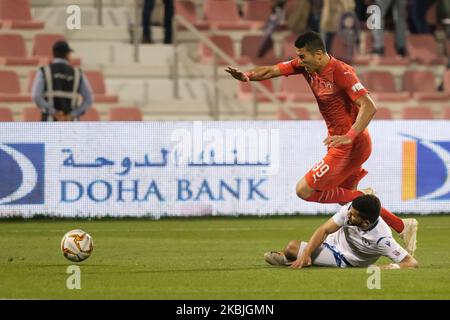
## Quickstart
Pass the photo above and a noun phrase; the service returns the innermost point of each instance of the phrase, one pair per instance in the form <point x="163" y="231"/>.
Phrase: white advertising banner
<point x="201" y="168"/>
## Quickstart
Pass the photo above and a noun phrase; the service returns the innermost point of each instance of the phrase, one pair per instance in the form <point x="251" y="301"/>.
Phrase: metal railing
<point x="217" y="54"/>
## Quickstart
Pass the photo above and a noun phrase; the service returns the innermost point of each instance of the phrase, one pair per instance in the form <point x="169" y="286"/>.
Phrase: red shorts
<point x="341" y="166"/>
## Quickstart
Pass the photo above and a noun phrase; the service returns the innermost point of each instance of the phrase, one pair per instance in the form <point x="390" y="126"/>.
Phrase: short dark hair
<point x="61" y="49"/>
<point x="368" y="206"/>
<point x="310" y="40"/>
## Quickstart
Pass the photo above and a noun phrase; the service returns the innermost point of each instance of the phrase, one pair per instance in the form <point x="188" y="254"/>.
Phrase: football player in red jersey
<point x="347" y="109"/>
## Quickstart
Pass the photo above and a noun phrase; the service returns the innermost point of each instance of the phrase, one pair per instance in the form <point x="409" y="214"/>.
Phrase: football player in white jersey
<point x="355" y="236"/>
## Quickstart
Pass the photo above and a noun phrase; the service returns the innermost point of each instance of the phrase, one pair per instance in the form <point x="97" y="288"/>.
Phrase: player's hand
<point x="336" y="141"/>
<point x="237" y="74"/>
<point x="301" y="262"/>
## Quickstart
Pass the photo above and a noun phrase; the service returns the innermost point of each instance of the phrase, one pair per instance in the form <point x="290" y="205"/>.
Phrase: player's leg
<point x="325" y="255"/>
<point x="321" y="183"/>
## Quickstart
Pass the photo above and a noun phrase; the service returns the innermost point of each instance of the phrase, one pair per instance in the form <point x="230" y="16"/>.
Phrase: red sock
<point x="392" y="220"/>
<point x="336" y="195"/>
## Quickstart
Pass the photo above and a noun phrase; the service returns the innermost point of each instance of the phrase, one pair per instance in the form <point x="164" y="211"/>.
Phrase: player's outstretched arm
<point x="316" y="240"/>
<point x="255" y="74"/>
<point x="408" y="262"/>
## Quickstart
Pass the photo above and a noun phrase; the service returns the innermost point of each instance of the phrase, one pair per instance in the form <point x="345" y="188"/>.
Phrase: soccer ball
<point x="77" y="245"/>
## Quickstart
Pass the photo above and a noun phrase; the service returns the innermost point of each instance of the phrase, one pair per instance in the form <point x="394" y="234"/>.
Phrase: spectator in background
<point x="315" y="15"/>
<point x="399" y="17"/>
<point x="297" y="19"/>
<point x="332" y="17"/>
<point x="417" y="13"/>
<point x="349" y="33"/>
<point x="57" y="86"/>
<point x="147" y="11"/>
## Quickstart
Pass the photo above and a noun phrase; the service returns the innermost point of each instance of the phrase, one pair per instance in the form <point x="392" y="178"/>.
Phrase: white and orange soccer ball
<point x="77" y="245"/>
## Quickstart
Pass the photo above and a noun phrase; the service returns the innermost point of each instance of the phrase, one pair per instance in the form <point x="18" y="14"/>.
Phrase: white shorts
<point x="326" y="256"/>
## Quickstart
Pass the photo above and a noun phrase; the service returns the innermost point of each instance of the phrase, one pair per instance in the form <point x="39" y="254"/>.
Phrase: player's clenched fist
<point x="237" y="74"/>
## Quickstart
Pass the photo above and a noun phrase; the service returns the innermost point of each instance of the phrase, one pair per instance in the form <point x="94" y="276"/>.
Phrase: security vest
<point x="62" y="83"/>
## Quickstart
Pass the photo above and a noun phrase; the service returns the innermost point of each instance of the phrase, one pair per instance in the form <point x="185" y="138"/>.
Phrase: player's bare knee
<point x="291" y="249"/>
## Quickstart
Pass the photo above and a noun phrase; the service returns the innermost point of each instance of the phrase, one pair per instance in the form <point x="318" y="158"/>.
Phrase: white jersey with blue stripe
<point x="363" y="247"/>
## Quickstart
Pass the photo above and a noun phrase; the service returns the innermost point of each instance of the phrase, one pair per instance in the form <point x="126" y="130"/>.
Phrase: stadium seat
<point x="417" y="113"/>
<point x="224" y="15"/>
<point x="186" y="9"/>
<point x="245" y="91"/>
<point x="341" y="52"/>
<point x="10" y="88"/>
<point x="250" y="46"/>
<point x="91" y="115"/>
<point x="16" y="14"/>
<point x="381" y="85"/>
<point x="98" y="86"/>
<point x="257" y="12"/>
<point x="296" y="88"/>
<point x="299" y="112"/>
<point x="422" y="86"/>
<point x="390" y="56"/>
<point x="447" y="81"/>
<point x="13" y="51"/>
<point x="423" y="48"/>
<point x="43" y="48"/>
<point x="125" y="114"/>
<point x="31" y="114"/>
<point x="383" y="113"/>
<point x="225" y="43"/>
<point x="446" y="113"/>
<point x="6" y="115"/>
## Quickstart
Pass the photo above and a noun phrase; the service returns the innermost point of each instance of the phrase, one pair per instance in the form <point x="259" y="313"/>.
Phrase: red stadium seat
<point x="98" y="86"/>
<point x="13" y="51"/>
<point x="6" y="115"/>
<point x="446" y="114"/>
<point x="223" y="14"/>
<point x="422" y="85"/>
<point x="340" y="51"/>
<point x="43" y="48"/>
<point x="10" y="88"/>
<point x="417" y="113"/>
<point x="447" y="81"/>
<point x="125" y="114"/>
<point x="423" y="48"/>
<point x="186" y="9"/>
<point x="250" y="46"/>
<point x="296" y="88"/>
<point x="225" y="43"/>
<point x="16" y="14"/>
<point x="31" y="114"/>
<point x="299" y="112"/>
<point x="383" y="113"/>
<point x="91" y="115"/>
<point x="257" y="12"/>
<point x="390" y="56"/>
<point x="381" y="85"/>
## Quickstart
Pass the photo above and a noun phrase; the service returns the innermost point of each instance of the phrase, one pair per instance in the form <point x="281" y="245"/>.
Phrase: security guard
<point x="57" y="87"/>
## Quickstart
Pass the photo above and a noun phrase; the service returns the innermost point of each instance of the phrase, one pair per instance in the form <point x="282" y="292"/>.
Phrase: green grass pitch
<point x="203" y="258"/>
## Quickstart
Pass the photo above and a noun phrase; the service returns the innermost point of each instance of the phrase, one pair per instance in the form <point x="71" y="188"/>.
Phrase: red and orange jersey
<point x="336" y="89"/>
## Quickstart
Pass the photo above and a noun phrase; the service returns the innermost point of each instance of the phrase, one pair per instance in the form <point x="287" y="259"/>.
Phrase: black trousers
<point x="147" y="10"/>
